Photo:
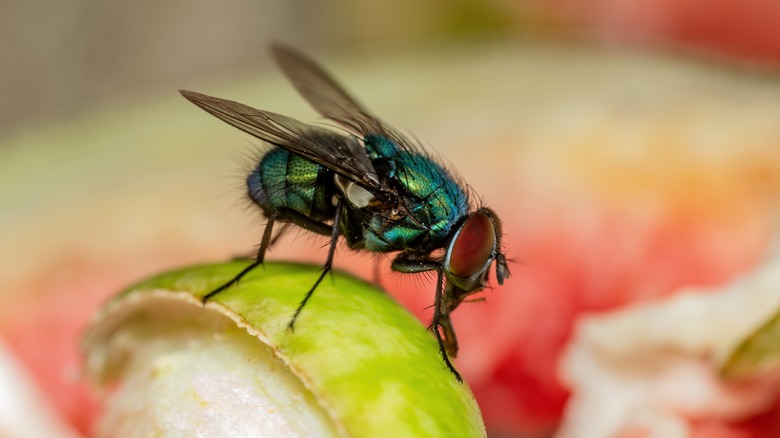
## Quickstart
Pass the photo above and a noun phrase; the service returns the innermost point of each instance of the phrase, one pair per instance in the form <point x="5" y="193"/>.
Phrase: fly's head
<point x="474" y="246"/>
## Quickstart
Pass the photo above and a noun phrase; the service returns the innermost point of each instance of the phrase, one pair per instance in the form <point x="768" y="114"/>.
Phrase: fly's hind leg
<point x="274" y="239"/>
<point x="285" y="214"/>
<point x="279" y="234"/>
<point x="269" y="226"/>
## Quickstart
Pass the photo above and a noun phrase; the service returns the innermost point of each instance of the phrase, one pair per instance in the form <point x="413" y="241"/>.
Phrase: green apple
<point x="356" y="365"/>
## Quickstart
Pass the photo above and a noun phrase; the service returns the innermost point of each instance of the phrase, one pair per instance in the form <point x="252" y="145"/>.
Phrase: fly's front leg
<point x="409" y="263"/>
<point x="451" y="299"/>
<point x="377" y="274"/>
<point x="450" y="340"/>
<point x="445" y="344"/>
<point x="285" y="214"/>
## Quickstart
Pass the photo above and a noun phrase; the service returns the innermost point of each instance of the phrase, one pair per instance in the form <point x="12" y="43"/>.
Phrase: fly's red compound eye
<point x="473" y="246"/>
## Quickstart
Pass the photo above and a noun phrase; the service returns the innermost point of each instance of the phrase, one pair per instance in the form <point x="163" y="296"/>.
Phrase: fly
<point x="373" y="186"/>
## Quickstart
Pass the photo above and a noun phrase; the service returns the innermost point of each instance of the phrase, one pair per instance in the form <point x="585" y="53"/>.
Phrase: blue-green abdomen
<point x="283" y="179"/>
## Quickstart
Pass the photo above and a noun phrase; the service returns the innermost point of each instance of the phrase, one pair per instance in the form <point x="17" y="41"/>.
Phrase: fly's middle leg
<point x="334" y="236"/>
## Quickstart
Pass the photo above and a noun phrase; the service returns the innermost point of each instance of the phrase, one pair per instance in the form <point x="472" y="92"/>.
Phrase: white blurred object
<point x="655" y="367"/>
<point x="24" y="412"/>
<point x="181" y="372"/>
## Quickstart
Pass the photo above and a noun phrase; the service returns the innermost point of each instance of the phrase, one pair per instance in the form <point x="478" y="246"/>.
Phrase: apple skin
<point x="357" y="363"/>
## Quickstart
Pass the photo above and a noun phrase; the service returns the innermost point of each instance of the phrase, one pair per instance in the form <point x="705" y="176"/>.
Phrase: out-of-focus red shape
<point x="512" y="345"/>
<point x="45" y="337"/>
<point x="745" y="29"/>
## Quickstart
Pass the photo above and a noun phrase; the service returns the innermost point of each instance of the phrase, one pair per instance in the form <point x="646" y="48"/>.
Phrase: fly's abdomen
<point x="282" y="179"/>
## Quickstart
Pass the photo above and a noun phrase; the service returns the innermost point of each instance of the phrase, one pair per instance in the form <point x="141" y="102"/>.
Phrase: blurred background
<point x="60" y="58"/>
<point x="630" y="149"/>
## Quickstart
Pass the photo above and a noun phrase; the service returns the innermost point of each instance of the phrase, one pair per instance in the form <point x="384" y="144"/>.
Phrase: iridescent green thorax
<point x="434" y="200"/>
<point x="283" y="179"/>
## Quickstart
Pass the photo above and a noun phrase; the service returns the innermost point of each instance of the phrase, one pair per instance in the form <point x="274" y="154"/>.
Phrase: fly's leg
<point x="409" y="263"/>
<point x="269" y="226"/>
<point x="451" y="299"/>
<point x="377" y="274"/>
<point x="450" y="340"/>
<point x="446" y="326"/>
<point x="334" y="237"/>
<point x="279" y="234"/>
<point x="285" y="214"/>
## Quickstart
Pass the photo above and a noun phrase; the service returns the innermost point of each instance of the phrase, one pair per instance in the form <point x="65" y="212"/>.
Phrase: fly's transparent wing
<point x="326" y="95"/>
<point x="342" y="154"/>
<point x="330" y="99"/>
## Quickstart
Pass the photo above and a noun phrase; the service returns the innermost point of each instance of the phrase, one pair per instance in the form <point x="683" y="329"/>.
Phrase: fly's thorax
<point x="431" y="201"/>
<point x="379" y="147"/>
<point x="432" y="198"/>
<point x="383" y="153"/>
<point x="282" y="179"/>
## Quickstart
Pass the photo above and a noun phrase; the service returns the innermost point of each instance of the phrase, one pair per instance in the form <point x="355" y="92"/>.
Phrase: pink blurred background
<point x="629" y="148"/>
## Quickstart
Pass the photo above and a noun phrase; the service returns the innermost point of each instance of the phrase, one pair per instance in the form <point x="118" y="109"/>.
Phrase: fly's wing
<point x="344" y="155"/>
<point x="330" y="99"/>
<point x="323" y="92"/>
